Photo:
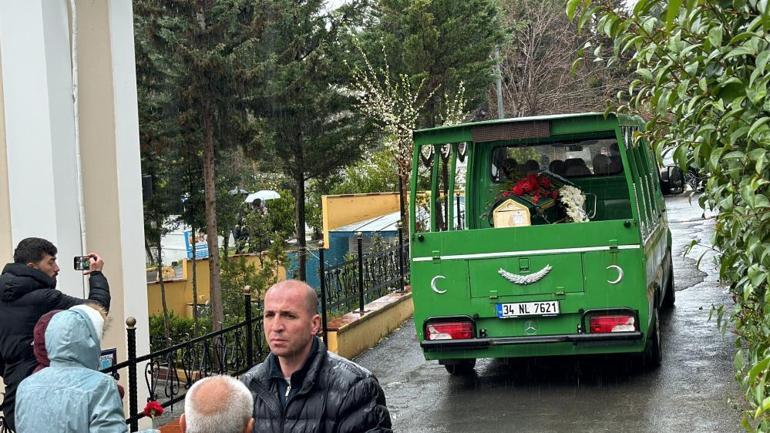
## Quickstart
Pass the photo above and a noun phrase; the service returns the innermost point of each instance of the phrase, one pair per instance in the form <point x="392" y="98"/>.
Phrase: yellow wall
<point x="341" y="210"/>
<point x="363" y="333"/>
<point x="179" y="292"/>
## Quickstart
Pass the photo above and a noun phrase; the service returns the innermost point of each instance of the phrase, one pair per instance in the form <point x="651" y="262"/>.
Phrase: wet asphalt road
<point x="693" y="391"/>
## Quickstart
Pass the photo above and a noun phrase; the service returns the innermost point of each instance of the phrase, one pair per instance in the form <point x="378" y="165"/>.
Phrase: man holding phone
<point x="28" y="291"/>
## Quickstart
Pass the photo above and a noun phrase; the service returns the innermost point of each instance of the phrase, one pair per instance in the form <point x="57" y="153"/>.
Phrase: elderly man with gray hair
<point x="218" y="404"/>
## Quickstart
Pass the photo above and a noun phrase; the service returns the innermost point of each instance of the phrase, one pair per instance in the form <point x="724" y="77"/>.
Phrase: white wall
<point x="40" y="137"/>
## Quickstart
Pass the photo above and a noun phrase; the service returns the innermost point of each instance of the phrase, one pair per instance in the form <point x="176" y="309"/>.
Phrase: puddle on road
<point x="686" y="272"/>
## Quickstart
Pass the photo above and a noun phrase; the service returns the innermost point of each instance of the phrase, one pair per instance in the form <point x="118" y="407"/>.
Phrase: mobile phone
<point x="82" y="263"/>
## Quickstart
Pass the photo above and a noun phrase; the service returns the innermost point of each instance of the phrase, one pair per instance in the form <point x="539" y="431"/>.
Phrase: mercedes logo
<point x="530" y="328"/>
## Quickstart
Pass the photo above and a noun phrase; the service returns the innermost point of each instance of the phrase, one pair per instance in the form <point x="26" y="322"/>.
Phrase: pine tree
<point x="208" y="50"/>
<point x="156" y="141"/>
<point x="298" y="95"/>
<point x="444" y="42"/>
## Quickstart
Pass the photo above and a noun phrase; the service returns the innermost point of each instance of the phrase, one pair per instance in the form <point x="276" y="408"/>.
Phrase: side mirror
<point x="671" y="180"/>
<point x="675" y="179"/>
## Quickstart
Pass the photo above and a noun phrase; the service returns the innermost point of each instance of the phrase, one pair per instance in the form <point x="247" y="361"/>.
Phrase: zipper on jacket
<point x="286" y="403"/>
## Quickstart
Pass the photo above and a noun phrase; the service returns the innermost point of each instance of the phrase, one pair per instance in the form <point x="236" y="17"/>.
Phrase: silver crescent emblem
<point x="620" y="274"/>
<point x="433" y="284"/>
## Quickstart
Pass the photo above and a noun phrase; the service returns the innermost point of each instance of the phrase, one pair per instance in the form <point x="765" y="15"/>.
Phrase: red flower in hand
<point x="554" y="194"/>
<point x="153" y="409"/>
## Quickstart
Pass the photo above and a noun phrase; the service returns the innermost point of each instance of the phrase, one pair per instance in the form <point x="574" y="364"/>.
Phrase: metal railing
<point x="170" y="372"/>
<point x="349" y="286"/>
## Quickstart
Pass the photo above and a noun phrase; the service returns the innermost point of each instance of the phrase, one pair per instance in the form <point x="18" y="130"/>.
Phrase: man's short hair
<point x="312" y="300"/>
<point x="226" y="408"/>
<point x="32" y="250"/>
<point x="311" y="297"/>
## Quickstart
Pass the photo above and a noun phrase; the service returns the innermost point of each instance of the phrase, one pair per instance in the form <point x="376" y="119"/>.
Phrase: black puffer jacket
<point x="25" y="295"/>
<point x="336" y="396"/>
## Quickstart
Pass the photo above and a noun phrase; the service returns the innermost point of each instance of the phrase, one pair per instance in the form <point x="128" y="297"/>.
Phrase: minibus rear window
<point x="569" y="159"/>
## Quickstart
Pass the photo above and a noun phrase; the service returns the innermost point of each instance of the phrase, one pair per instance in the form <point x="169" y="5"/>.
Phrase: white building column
<point x="39" y="129"/>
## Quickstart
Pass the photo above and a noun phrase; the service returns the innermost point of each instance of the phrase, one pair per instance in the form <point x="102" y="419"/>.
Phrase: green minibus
<point x="538" y="236"/>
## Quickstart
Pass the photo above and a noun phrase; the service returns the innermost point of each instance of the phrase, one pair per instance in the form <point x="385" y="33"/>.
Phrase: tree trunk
<point x="226" y="245"/>
<point x="302" y="253"/>
<point x="159" y="262"/>
<point x="148" y="250"/>
<point x="405" y="194"/>
<point x="403" y="162"/>
<point x="194" y="285"/>
<point x="445" y="202"/>
<point x="217" y="313"/>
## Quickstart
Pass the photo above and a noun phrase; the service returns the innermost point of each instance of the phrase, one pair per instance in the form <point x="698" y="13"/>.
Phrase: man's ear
<point x="249" y="426"/>
<point x="316" y="323"/>
<point x="182" y="423"/>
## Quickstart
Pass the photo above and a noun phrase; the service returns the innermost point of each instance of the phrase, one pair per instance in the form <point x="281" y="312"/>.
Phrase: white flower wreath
<point x="573" y="200"/>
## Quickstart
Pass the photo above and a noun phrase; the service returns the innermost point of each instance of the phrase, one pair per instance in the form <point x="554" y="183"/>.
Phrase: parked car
<point x="671" y="180"/>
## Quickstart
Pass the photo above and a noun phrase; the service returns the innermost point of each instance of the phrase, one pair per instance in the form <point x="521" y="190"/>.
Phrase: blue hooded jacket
<point x="70" y="396"/>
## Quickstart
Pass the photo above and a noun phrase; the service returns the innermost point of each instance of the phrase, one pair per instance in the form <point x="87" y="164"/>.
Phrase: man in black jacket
<point x="27" y="291"/>
<point x="300" y="387"/>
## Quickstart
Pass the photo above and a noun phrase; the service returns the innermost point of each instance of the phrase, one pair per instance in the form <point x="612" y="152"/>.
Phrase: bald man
<point x="300" y="387"/>
<point x="217" y="404"/>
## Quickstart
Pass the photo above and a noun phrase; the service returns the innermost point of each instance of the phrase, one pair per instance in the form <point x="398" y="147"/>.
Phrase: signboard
<point x="201" y="245"/>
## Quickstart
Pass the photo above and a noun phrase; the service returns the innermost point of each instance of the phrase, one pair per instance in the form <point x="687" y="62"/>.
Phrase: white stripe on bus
<point x="524" y="253"/>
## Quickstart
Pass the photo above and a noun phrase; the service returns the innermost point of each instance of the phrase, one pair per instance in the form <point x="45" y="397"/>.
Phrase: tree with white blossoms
<point x="395" y="107"/>
<point x="455" y="110"/>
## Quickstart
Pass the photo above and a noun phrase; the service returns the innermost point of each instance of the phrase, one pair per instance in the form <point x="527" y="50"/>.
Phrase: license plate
<point x="521" y="309"/>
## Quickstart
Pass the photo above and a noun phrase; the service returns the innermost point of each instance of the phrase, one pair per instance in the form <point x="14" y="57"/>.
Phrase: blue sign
<point x="201" y="245"/>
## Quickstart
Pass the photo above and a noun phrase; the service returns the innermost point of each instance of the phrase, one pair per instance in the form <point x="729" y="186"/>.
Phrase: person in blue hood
<point x="28" y="291"/>
<point x="71" y="395"/>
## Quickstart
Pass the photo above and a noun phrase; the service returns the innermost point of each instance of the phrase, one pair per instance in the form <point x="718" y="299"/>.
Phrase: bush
<point x="702" y="76"/>
<point x="181" y="329"/>
<point x="238" y="272"/>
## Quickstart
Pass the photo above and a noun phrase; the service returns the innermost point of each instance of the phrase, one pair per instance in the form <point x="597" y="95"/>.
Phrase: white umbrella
<point x="263" y="195"/>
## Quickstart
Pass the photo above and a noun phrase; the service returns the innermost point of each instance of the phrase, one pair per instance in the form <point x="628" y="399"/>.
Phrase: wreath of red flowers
<point x="535" y="186"/>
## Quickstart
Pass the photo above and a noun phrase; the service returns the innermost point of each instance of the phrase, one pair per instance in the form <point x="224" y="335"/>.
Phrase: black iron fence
<point x="170" y="372"/>
<point x="362" y="279"/>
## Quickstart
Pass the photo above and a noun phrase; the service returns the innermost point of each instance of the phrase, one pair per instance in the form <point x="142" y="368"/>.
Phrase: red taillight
<point x="449" y="331"/>
<point x="614" y="323"/>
